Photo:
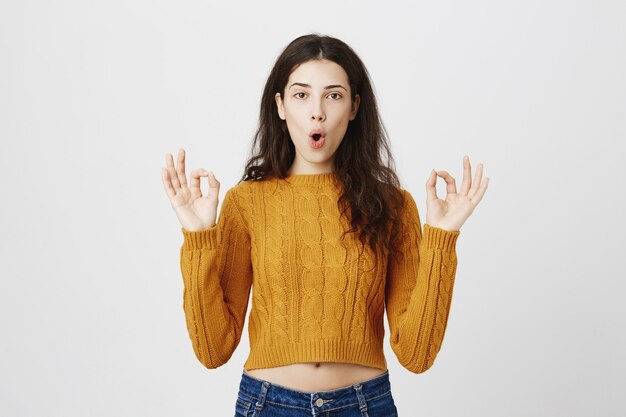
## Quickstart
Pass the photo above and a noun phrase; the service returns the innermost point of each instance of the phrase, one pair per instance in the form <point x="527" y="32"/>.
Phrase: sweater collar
<point x="312" y="179"/>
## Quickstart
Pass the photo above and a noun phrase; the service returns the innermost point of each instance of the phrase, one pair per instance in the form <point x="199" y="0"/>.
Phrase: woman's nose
<point x="317" y="110"/>
<point x="318" y="115"/>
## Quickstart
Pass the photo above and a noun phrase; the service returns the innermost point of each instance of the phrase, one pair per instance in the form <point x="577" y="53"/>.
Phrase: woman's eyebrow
<point x="328" y="87"/>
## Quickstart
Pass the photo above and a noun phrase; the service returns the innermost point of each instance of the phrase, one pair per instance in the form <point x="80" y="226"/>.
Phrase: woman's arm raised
<point x="215" y="265"/>
<point x="419" y="290"/>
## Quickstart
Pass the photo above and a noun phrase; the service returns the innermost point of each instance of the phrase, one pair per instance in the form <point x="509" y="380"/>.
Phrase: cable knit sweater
<point x="315" y="297"/>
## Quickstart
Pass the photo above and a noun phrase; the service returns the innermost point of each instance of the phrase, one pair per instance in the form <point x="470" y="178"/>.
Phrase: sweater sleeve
<point x="419" y="289"/>
<point x="217" y="276"/>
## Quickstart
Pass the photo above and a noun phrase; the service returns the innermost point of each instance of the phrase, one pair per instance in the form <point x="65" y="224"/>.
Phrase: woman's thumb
<point x="213" y="182"/>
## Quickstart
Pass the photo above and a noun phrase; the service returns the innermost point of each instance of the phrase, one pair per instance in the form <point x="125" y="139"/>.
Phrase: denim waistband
<point x="259" y="391"/>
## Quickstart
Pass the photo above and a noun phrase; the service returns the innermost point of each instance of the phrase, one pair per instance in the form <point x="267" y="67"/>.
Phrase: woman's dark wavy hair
<point x="370" y="186"/>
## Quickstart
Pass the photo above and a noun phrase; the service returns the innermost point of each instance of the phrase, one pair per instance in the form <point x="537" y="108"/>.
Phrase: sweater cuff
<point x="200" y="239"/>
<point x="435" y="237"/>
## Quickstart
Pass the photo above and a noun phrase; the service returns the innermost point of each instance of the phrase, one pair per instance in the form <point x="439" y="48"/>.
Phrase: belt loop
<point x="362" y="403"/>
<point x="259" y="404"/>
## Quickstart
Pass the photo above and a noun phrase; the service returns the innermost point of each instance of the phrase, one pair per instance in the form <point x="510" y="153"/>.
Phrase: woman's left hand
<point x="451" y="213"/>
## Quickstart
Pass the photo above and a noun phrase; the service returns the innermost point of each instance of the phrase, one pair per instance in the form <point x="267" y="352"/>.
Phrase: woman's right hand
<point x="194" y="211"/>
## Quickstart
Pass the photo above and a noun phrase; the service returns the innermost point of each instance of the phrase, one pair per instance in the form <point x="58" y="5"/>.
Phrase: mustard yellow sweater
<point x="314" y="297"/>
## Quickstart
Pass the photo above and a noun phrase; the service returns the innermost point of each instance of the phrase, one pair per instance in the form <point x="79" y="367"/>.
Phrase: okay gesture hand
<point x="451" y="213"/>
<point x="194" y="211"/>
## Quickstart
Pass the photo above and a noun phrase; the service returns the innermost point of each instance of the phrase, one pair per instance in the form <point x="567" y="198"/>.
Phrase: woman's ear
<point x="279" y="104"/>
<point x="355" y="106"/>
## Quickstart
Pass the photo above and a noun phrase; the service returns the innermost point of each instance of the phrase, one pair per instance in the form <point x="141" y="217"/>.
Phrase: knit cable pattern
<point x="315" y="297"/>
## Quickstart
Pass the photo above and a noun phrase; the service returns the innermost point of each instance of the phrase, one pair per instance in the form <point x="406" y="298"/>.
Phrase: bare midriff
<point x="316" y="376"/>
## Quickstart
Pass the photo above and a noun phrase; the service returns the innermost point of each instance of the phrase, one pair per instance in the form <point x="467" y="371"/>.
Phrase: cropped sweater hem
<point x="280" y="354"/>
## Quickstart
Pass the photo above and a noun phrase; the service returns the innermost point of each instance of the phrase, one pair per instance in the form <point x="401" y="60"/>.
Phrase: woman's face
<point x="317" y="96"/>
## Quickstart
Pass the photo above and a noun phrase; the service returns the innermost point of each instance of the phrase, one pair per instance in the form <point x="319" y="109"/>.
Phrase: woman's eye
<point x="336" y="96"/>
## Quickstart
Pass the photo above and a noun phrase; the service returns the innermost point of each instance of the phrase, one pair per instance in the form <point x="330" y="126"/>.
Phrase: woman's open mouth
<point x="317" y="138"/>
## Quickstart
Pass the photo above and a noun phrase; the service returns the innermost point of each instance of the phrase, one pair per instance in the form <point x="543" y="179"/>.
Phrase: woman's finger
<point x="431" y="189"/>
<point x="170" y="168"/>
<point x="167" y="183"/>
<point x="479" y="195"/>
<point x="213" y="182"/>
<point x="450" y="182"/>
<point x="467" y="176"/>
<point x="196" y="174"/>
<point x="181" y="168"/>
<point x="476" y="183"/>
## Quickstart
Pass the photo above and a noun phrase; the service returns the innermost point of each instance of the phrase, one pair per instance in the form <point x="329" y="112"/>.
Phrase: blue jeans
<point x="260" y="398"/>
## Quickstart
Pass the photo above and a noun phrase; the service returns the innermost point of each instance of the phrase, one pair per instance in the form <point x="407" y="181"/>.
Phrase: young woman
<point x="321" y="230"/>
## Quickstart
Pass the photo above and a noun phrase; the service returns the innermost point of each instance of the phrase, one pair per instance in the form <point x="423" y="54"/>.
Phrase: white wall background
<point x="94" y="94"/>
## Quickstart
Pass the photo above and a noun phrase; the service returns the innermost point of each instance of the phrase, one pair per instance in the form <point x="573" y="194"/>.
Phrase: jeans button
<point x="319" y="402"/>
